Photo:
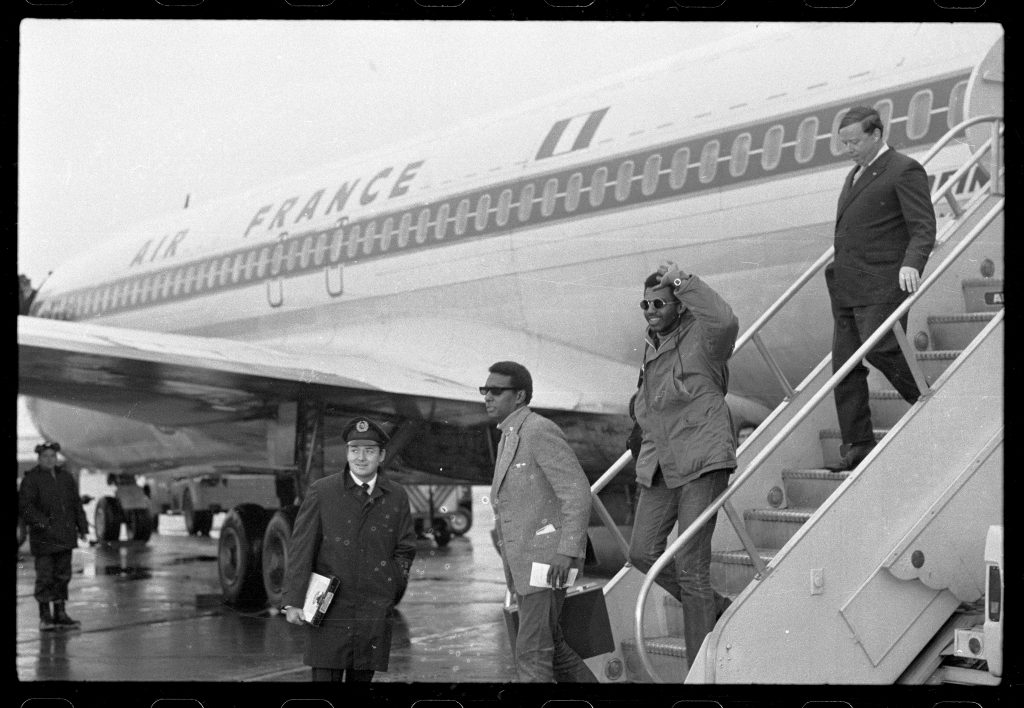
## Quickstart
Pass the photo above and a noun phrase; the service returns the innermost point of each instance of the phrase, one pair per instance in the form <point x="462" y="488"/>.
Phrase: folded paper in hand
<point x="539" y="576"/>
<point x="319" y="594"/>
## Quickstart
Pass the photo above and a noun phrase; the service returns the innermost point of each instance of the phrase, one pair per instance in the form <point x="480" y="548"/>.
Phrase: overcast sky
<point x="119" y="120"/>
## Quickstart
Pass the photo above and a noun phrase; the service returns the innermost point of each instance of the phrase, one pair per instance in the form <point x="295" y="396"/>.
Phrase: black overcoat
<point x="51" y="507"/>
<point x="369" y="545"/>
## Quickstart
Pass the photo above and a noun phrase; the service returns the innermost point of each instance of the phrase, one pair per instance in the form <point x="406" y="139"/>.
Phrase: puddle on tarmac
<point x="192" y="559"/>
<point x="130" y="572"/>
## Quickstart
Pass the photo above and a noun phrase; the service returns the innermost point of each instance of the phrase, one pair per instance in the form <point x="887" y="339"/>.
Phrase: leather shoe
<point x="853" y="456"/>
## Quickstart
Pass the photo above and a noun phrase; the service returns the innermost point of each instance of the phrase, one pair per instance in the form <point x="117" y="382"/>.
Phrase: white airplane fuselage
<point x="528" y="235"/>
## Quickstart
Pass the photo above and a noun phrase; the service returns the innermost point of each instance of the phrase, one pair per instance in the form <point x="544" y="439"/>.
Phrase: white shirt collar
<point x="359" y="482"/>
<point x="878" y="154"/>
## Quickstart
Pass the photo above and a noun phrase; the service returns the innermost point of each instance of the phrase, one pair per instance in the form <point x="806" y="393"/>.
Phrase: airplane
<point x="238" y="336"/>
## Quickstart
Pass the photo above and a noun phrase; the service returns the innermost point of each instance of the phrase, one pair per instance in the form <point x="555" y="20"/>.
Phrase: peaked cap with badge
<point x="365" y="431"/>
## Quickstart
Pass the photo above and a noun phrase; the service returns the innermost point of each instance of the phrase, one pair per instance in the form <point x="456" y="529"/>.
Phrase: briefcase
<point x="584" y="621"/>
<point x="319" y="594"/>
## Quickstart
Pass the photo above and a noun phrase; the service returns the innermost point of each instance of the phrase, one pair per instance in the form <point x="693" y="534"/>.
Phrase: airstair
<point x="859" y="576"/>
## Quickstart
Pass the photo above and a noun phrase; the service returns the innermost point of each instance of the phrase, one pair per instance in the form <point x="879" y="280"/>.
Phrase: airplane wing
<point x="172" y="379"/>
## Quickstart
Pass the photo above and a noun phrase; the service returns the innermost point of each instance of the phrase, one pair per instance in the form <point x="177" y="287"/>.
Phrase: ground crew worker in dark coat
<point x="49" y="503"/>
<point x="357" y="527"/>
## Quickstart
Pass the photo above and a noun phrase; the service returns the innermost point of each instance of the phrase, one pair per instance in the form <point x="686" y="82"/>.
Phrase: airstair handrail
<point x="788" y="428"/>
<point x="599" y="484"/>
<point x="752" y="333"/>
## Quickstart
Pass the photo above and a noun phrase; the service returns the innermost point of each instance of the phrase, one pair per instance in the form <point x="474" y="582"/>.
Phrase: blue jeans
<point x="657" y="511"/>
<point x="541" y="652"/>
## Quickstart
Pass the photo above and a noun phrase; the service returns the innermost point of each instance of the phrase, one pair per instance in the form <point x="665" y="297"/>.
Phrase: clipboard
<point x="319" y="594"/>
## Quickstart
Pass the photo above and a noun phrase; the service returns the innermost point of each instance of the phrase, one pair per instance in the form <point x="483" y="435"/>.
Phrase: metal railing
<point x="991" y="146"/>
<point x="890" y="323"/>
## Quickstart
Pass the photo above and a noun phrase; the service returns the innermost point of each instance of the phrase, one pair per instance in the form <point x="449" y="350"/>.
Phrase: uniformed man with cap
<point x="357" y="527"/>
<point x="49" y="503"/>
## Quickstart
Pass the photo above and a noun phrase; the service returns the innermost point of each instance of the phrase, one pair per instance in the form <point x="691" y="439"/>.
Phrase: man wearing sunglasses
<point x="541" y="502"/>
<point x="687" y="447"/>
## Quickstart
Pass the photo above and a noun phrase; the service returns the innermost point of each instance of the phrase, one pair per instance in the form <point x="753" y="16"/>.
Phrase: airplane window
<point x="275" y="263"/>
<point x="624" y="180"/>
<point x="504" y="206"/>
<point x="134" y="297"/>
<point x="236" y="268"/>
<point x="261" y="266"/>
<point x="547" y="202"/>
<point x="337" y="239"/>
<point x="461" y="217"/>
<point x="165" y="285"/>
<point x="919" y="116"/>
<point x="353" y="241"/>
<point x="652" y="171"/>
<point x="104" y="298"/>
<point x="318" y="254"/>
<point x="526" y="201"/>
<point x="483" y="212"/>
<point x="293" y="254"/>
<point x="836" y="144"/>
<point x="306" y="252"/>
<point x="740" y="155"/>
<point x="708" y="161"/>
<point x="201" y="276"/>
<point x="441" y="223"/>
<point x="190" y="278"/>
<point x="884" y="108"/>
<point x="385" y="233"/>
<point x="178" y="280"/>
<point x="403" y="229"/>
<point x="225" y="271"/>
<point x="250" y="259"/>
<point x="680" y="164"/>
<point x="371" y="233"/>
<point x="806" y="139"/>
<point x="421" y="225"/>
<point x="598" y="184"/>
<point x="572" y="191"/>
<point x="955" y="114"/>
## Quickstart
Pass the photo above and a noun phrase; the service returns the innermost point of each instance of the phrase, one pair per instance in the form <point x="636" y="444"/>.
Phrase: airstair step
<point x="810" y="488"/>
<point x="933" y="363"/>
<point x="667" y="654"/>
<point x="772" y="528"/>
<point x="732" y="571"/>
<point x="831" y="440"/>
<point x="887" y="407"/>
<point x="983" y="294"/>
<point x="956" y="332"/>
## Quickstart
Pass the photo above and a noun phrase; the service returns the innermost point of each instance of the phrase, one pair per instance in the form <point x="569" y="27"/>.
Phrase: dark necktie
<point x="366" y="489"/>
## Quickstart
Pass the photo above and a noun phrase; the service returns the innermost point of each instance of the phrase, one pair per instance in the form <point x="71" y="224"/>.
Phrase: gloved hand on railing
<point x="634" y="441"/>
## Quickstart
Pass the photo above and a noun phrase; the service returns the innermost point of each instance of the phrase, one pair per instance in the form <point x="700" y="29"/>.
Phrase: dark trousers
<point x="853" y="326"/>
<point x="346" y="675"/>
<point x="541" y="652"/>
<point x="53" y="573"/>
<point x="657" y="511"/>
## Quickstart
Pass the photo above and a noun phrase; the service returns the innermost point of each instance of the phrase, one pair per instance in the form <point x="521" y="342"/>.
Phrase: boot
<point x="45" y="618"/>
<point x="61" y="619"/>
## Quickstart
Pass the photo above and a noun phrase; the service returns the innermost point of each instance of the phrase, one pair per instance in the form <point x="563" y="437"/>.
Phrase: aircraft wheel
<point x="197" y="522"/>
<point x="275" y="553"/>
<point x="460" y="521"/>
<point x="140" y="524"/>
<point x="442" y="533"/>
<point x="239" y="554"/>
<point x="107" y="519"/>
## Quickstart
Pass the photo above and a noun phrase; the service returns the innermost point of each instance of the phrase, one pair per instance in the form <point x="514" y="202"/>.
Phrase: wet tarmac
<point x="152" y="612"/>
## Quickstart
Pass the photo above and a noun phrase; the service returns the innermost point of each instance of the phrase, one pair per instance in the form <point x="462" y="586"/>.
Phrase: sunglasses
<point x="657" y="303"/>
<point x="495" y="390"/>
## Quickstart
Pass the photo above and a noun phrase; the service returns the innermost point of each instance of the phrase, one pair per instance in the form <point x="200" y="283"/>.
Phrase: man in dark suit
<point x="356" y="526"/>
<point x="541" y="502"/>
<point x="885" y="231"/>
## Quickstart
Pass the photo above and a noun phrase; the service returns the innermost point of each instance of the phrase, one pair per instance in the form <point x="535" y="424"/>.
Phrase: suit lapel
<point x="852" y="188"/>
<point x="506" y="453"/>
